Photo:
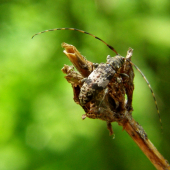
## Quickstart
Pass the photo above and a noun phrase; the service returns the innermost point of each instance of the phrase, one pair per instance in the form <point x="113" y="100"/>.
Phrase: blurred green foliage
<point x="40" y="125"/>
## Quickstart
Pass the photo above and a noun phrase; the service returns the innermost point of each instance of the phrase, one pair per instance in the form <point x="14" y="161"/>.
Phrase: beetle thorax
<point x="116" y="62"/>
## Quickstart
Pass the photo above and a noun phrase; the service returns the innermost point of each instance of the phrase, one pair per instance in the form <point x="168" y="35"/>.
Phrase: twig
<point x="137" y="133"/>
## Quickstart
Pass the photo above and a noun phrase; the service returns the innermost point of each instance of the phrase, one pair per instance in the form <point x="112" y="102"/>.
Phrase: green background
<point x="40" y="125"/>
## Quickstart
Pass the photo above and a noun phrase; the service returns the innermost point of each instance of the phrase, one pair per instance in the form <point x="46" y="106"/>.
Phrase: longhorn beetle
<point x="74" y="29"/>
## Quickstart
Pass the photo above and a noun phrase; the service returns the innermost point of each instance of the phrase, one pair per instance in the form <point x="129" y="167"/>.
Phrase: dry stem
<point x="137" y="133"/>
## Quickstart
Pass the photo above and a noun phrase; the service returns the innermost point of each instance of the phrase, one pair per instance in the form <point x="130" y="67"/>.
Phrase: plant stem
<point x="137" y="133"/>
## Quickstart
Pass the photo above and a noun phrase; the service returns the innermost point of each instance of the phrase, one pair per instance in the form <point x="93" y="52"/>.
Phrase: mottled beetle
<point x="97" y="79"/>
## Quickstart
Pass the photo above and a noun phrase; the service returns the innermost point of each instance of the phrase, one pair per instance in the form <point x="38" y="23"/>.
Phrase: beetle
<point x="102" y="83"/>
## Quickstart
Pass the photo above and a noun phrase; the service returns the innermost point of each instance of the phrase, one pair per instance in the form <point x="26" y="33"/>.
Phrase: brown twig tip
<point x="83" y="66"/>
<point x="129" y="53"/>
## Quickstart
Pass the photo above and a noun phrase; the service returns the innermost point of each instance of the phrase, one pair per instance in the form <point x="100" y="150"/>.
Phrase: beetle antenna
<point x="74" y="29"/>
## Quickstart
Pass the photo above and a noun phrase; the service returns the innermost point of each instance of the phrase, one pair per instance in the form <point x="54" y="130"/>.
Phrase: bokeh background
<point x="40" y="125"/>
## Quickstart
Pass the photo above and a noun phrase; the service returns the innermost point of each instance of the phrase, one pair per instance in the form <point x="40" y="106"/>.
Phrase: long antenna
<point x="156" y="104"/>
<point x="74" y="29"/>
